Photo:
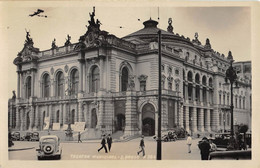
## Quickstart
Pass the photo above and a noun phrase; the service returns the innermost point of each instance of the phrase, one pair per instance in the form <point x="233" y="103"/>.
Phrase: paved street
<point x="120" y="150"/>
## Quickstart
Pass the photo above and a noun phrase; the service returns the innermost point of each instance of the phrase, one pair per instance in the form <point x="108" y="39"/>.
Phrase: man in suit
<point x="103" y="143"/>
<point x="141" y="146"/>
<point x="204" y="148"/>
<point x="109" y="142"/>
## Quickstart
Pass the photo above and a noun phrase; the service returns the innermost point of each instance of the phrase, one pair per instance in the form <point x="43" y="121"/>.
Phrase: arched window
<point x="204" y="80"/>
<point x="190" y="76"/>
<point x="95" y="79"/>
<point x="28" y="87"/>
<point x="60" y="84"/>
<point x="124" y="79"/>
<point x="74" y="81"/>
<point x="210" y="82"/>
<point x="46" y="86"/>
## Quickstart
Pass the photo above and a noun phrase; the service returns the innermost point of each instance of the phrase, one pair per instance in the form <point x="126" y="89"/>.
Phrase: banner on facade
<point x="79" y="126"/>
<point x="46" y="124"/>
<point x="56" y="126"/>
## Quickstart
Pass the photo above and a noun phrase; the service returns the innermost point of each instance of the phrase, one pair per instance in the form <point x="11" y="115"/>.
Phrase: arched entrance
<point x="93" y="119"/>
<point x="120" y="118"/>
<point x="148" y="120"/>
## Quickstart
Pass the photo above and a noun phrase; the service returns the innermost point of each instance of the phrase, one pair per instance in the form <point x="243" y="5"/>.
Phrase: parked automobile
<point x="231" y="155"/>
<point x="167" y="136"/>
<point x="15" y="136"/>
<point x="27" y="136"/>
<point x="221" y="140"/>
<point x="49" y="147"/>
<point x="35" y="136"/>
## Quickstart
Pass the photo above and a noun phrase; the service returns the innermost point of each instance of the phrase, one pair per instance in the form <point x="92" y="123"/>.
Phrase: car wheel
<point x="48" y="149"/>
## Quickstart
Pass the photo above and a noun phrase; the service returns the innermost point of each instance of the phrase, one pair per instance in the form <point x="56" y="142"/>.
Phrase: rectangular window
<point x="219" y="98"/>
<point x="143" y="86"/>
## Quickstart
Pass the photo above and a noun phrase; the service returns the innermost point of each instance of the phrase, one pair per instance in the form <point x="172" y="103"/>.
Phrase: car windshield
<point x="48" y="140"/>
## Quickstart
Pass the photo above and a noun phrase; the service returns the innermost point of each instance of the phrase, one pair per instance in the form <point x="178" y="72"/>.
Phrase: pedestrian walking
<point x="109" y="142"/>
<point x="189" y="142"/>
<point x="204" y="148"/>
<point x="213" y="147"/>
<point x="141" y="146"/>
<point x="103" y="143"/>
<point x="79" y="140"/>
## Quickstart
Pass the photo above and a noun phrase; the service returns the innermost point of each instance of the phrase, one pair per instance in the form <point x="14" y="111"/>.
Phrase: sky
<point x="228" y="28"/>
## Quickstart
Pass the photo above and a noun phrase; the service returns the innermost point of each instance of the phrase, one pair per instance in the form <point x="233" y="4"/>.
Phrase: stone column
<point x="131" y="115"/>
<point x="194" y="93"/>
<point x="64" y="114"/>
<point x="207" y="123"/>
<point x="181" y="116"/>
<point x="215" y="121"/>
<point x="194" y="119"/>
<point x="176" y="121"/>
<point x="18" y="120"/>
<point x="186" y="116"/>
<point x="18" y="84"/>
<point x="101" y="74"/>
<point x="31" y="118"/>
<point x="81" y="62"/>
<point x="51" y="115"/>
<point x="207" y="95"/>
<point x="33" y="83"/>
<point x="100" y="112"/>
<point x="22" y="128"/>
<point x="36" y="120"/>
<point x="186" y="91"/>
<point x="80" y="110"/>
<point x="201" y="94"/>
<point x="201" y="120"/>
<point x="84" y="77"/>
<point x="61" y="115"/>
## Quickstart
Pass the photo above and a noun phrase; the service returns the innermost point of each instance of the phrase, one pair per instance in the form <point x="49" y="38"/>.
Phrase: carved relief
<point x="66" y="68"/>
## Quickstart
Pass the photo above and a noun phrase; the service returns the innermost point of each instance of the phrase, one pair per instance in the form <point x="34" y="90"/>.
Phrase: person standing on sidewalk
<point x="141" y="146"/>
<point x="103" y="143"/>
<point x="79" y="140"/>
<point x="189" y="142"/>
<point x="109" y="142"/>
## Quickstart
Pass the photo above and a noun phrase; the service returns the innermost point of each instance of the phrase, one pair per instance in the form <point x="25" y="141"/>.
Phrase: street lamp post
<point x="159" y="142"/>
<point x="224" y="125"/>
<point x="231" y="76"/>
<point x="69" y="133"/>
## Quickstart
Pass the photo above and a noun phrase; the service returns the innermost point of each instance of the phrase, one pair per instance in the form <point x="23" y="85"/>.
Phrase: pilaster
<point x="131" y="115"/>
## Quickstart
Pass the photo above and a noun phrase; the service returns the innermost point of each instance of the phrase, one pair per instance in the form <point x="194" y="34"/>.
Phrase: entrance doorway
<point x="120" y="122"/>
<point x="148" y="120"/>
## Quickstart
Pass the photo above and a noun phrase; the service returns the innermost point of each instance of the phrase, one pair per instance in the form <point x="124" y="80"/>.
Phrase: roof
<point x="150" y="28"/>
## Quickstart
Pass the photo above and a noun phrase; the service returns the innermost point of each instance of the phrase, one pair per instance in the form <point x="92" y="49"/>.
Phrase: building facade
<point x="111" y="84"/>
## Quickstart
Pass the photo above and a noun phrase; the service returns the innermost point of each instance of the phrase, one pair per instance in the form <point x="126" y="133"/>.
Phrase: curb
<point x="20" y="149"/>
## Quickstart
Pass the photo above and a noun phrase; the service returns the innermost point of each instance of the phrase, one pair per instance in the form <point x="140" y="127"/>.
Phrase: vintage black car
<point x="167" y="136"/>
<point x="49" y="147"/>
<point x="231" y="155"/>
<point x="27" y="136"/>
<point x="15" y="136"/>
<point x="35" y="136"/>
<point x="221" y="140"/>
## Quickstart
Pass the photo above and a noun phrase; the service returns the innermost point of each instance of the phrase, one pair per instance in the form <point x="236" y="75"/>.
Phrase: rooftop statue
<point x="92" y="20"/>
<point x="68" y="40"/>
<point x="28" y="38"/>
<point x="53" y="44"/>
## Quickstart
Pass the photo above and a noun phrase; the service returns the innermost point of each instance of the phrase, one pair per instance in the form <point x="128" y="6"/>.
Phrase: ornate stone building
<point x="111" y="84"/>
